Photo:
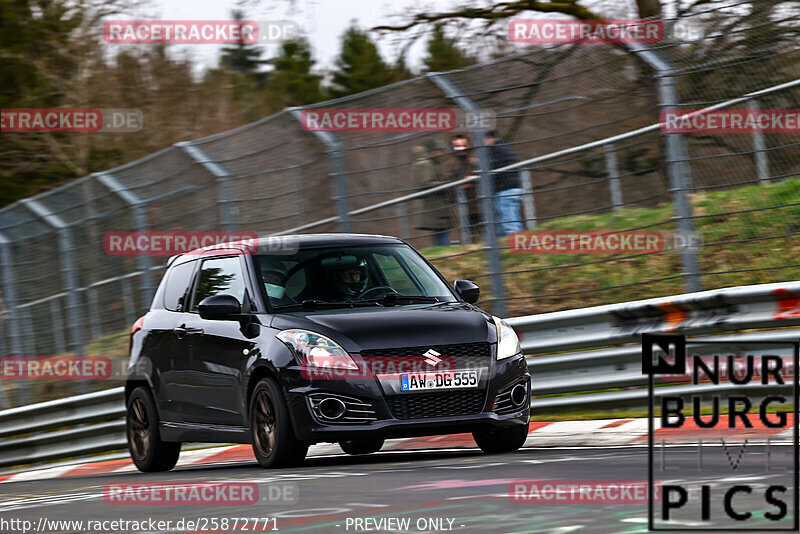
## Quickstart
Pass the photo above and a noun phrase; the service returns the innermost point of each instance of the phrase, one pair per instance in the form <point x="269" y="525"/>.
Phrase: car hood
<point x="357" y="329"/>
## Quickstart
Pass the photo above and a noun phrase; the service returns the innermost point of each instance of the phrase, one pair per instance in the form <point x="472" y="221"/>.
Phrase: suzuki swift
<point x="348" y="339"/>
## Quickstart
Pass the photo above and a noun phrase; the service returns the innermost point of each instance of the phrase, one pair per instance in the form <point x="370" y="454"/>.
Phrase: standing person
<point x="427" y="170"/>
<point x="506" y="186"/>
<point x="465" y="166"/>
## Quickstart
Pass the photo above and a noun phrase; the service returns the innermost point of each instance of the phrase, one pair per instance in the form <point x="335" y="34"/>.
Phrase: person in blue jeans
<point x="506" y="186"/>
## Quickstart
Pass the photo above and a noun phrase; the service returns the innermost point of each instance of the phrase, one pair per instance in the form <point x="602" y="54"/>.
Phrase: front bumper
<point x="309" y="427"/>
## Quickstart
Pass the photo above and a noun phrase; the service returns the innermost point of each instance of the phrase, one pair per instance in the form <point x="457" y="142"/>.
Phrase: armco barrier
<point x="48" y="431"/>
<point x="705" y="312"/>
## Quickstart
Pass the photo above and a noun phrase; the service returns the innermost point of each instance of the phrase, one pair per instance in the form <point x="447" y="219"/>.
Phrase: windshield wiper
<point x="315" y="304"/>
<point x="390" y="299"/>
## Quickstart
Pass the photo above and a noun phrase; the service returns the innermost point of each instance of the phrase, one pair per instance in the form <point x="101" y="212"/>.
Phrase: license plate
<point x="441" y="380"/>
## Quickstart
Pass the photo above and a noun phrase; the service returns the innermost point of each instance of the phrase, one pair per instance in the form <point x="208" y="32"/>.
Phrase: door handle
<point x="182" y="330"/>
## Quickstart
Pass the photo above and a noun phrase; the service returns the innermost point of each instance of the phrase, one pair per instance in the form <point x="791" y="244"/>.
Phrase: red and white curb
<point x="593" y="433"/>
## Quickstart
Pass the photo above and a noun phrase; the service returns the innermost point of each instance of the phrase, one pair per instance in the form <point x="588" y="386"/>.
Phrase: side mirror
<point x="220" y="307"/>
<point x="467" y="290"/>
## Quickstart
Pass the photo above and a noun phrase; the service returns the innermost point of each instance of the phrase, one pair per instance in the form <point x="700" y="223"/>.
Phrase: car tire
<point x="499" y="441"/>
<point x="361" y="446"/>
<point x="148" y="451"/>
<point x="274" y="442"/>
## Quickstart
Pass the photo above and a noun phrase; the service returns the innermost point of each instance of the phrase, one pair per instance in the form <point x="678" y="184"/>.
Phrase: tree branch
<point x="494" y="13"/>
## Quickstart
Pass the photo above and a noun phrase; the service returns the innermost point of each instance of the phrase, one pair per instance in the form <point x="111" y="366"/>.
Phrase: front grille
<point x="423" y="405"/>
<point x="466" y="355"/>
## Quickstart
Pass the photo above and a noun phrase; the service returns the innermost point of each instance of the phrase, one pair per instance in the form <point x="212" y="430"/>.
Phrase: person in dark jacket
<point x="427" y="169"/>
<point x="506" y="186"/>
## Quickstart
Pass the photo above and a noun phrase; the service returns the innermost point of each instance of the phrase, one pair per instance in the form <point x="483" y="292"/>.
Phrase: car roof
<point x="304" y="241"/>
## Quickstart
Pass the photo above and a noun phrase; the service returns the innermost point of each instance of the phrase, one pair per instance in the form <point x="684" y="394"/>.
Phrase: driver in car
<point x="346" y="276"/>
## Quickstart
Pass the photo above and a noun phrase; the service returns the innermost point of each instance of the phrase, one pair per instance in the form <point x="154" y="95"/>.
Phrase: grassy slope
<point x="530" y="290"/>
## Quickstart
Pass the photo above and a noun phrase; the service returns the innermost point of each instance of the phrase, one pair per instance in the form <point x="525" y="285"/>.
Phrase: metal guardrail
<point x="619" y="367"/>
<point x="705" y="312"/>
<point x="48" y="431"/>
<point x="708" y="312"/>
<point x="96" y="421"/>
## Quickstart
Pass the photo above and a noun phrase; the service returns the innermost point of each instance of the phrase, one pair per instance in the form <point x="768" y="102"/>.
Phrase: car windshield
<point x="343" y="276"/>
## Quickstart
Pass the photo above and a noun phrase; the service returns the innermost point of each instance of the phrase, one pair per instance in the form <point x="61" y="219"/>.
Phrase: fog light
<point x="331" y="408"/>
<point x="519" y="394"/>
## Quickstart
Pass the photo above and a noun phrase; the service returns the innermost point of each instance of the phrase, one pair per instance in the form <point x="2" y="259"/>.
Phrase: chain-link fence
<point x="582" y="121"/>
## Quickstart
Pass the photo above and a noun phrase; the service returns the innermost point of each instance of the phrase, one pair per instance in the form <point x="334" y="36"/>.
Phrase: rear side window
<point x="221" y="276"/>
<point x="179" y="282"/>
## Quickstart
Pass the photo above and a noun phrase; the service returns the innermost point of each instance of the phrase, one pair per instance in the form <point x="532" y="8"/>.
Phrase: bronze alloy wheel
<point x="264" y="424"/>
<point x="139" y="430"/>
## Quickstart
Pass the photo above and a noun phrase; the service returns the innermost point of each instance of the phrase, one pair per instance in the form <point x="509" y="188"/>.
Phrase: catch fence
<point x="583" y="121"/>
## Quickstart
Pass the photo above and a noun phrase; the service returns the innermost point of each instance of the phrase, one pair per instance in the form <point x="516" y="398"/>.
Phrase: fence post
<point x="227" y="210"/>
<point x="528" y="205"/>
<point x="14" y="347"/>
<point x="3" y="398"/>
<point x="677" y="161"/>
<point x="402" y="214"/>
<point x="10" y="297"/>
<point x="58" y="328"/>
<point x="463" y="216"/>
<point x="30" y="328"/>
<point x="338" y="171"/>
<point x="66" y="252"/>
<point x="613" y="175"/>
<point x="759" y="148"/>
<point x="95" y="328"/>
<point x="138" y="207"/>
<point x="127" y="301"/>
<point x="485" y="182"/>
<point x="29" y="349"/>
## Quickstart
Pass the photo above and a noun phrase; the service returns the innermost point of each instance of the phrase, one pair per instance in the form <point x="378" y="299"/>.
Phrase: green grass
<point x="722" y="220"/>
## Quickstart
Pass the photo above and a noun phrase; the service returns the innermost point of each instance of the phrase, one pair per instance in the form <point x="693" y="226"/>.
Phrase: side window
<point x="395" y="275"/>
<point x="296" y="283"/>
<point x="179" y="281"/>
<point x="217" y="277"/>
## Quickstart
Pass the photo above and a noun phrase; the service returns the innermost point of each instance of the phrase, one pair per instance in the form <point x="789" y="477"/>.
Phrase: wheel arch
<point x="130" y="385"/>
<point x="257" y="375"/>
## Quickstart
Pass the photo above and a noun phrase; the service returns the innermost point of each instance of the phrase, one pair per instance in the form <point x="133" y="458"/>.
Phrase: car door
<point x="168" y="348"/>
<point x="218" y="349"/>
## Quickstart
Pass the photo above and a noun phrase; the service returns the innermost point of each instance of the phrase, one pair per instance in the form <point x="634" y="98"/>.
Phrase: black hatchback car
<point x="326" y="338"/>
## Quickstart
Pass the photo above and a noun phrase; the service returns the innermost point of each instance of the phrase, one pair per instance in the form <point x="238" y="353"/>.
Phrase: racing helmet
<point x="346" y="274"/>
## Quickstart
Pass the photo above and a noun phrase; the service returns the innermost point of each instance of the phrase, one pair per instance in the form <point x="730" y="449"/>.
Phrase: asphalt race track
<point x="436" y="491"/>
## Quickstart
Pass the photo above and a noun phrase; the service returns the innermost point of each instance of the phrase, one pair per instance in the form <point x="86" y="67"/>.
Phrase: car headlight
<point x="315" y="350"/>
<point x="507" y="340"/>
